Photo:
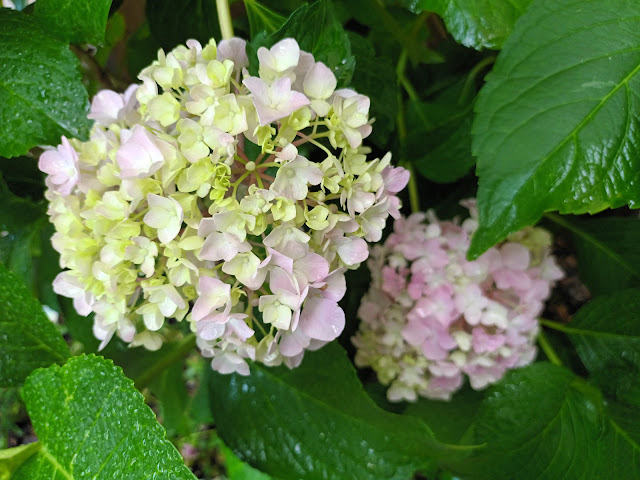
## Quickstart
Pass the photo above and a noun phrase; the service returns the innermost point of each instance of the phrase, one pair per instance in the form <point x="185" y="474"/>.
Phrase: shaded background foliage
<point x="554" y="127"/>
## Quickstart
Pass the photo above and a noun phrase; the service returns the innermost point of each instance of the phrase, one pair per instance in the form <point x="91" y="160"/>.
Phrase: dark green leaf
<point x="75" y="21"/>
<point x="449" y="420"/>
<point x="540" y="422"/>
<point x="20" y="223"/>
<point x="316" y="422"/>
<point x="41" y="93"/>
<point x="262" y="19"/>
<point x="557" y="123"/>
<point x="608" y="251"/>
<point x="92" y="423"/>
<point x="201" y="405"/>
<point x="170" y="389"/>
<point x="173" y="23"/>
<point x="477" y="23"/>
<point x="25" y="240"/>
<point x="317" y="31"/>
<point x="80" y="328"/>
<point x="23" y="176"/>
<point x="28" y="340"/>
<point x="375" y="77"/>
<point x="12" y="458"/>
<point x="438" y="138"/>
<point x="606" y="333"/>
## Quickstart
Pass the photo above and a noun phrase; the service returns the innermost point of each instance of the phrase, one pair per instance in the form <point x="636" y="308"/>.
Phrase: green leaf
<point x="41" y="93"/>
<point x="200" y="404"/>
<point x="608" y="251"/>
<point x="375" y="77"/>
<point x="477" y="23"/>
<point x="622" y="432"/>
<point x="540" y="422"/>
<point x="262" y="19"/>
<point x="449" y="420"/>
<point x="173" y="23"/>
<point x="25" y="241"/>
<point x="316" y="422"/>
<point x="317" y="31"/>
<point x="12" y="458"/>
<point x="170" y="389"/>
<point x="75" y="21"/>
<point x="556" y="124"/>
<point x="92" y="423"/>
<point x="438" y="138"/>
<point x="238" y="470"/>
<point x="28" y="340"/>
<point x="20" y="223"/>
<point x="606" y="334"/>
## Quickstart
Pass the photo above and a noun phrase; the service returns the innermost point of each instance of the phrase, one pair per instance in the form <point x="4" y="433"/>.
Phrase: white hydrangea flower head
<point x="235" y="203"/>
<point x="431" y="317"/>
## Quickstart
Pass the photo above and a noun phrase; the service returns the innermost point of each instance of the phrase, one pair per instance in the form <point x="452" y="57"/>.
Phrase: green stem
<point x="224" y="18"/>
<point x="560" y="327"/>
<point x="414" y="196"/>
<point x="402" y="78"/>
<point x="182" y="349"/>
<point x="468" y="83"/>
<point x="548" y="349"/>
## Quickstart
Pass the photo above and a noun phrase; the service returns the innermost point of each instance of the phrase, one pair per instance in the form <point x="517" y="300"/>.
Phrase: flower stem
<point x="548" y="349"/>
<point x="468" y="84"/>
<point x="224" y="18"/>
<point x="402" y="78"/>
<point x="414" y="195"/>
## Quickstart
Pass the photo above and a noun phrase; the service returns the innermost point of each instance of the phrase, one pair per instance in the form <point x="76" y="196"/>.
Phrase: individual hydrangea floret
<point x="431" y="317"/>
<point x="231" y="201"/>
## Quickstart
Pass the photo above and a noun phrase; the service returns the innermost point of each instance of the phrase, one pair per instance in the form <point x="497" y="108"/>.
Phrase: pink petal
<point x="321" y="319"/>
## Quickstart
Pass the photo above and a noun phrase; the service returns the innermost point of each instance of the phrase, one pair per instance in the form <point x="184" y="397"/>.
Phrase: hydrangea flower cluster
<point x="431" y="317"/>
<point x="234" y="201"/>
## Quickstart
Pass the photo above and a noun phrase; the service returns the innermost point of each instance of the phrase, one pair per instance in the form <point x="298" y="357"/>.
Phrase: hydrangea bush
<point x="163" y="214"/>
<point x="171" y="203"/>
<point x="431" y="317"/>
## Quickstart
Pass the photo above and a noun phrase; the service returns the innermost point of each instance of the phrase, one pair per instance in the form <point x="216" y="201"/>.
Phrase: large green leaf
<point x="316" y="422"/>
<point x="557" y="121"/>
<point x="606" y="333"/>
<point x="173" y="23"/>
<point x="542" y="422"/>
<point x="317" y="31"/>
<point x="262" y="18"/>
<point x="449" y="420"/>
<point x="75" y="21"/>
<point x="92" y="423"/>
<point x="41" y="93"/>
<point x="608" y="251"/>
<point x="477" y="23"/>
<point x="28" y="340"/>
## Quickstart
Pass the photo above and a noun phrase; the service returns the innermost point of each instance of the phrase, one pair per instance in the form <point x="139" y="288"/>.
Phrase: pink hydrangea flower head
<point x="167" y="213"/>
<point x="432" y="318"/>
